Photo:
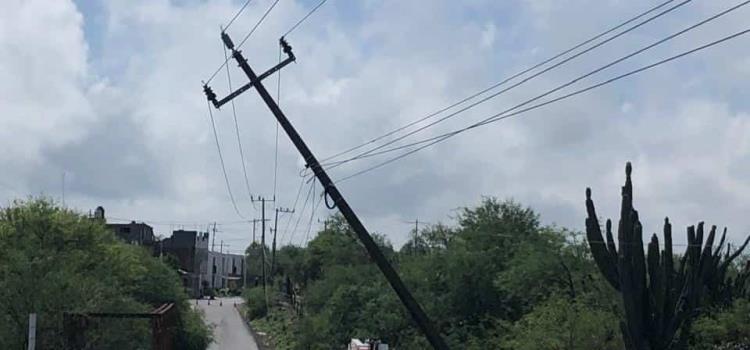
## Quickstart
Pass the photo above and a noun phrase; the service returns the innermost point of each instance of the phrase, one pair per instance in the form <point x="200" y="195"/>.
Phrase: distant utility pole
<point x="263" y="201"/>
<point x="415" y="237"/>
<point x="275" y="231"/>
<point x="325" y="224"/>
<point x="221" y="272"/>
<point x="213" y="242"/>
<point x="244" y="270"/>
<point x="254" y="221"/>
<point x="331" y="191"/>
<point x="63" y="189"/>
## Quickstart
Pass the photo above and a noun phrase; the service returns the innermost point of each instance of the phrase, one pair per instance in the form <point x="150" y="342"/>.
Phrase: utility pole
<point x="255" y="221"/>
<point x="221" y="272"/>
<point x="213" y="242"/>
<point x="325" y="224"/>
<point x="263" y="245"/>
<point x="416" y="235"/>
<point x="275" y="231"/>
<point x="244" y="271"/>
<point x="330" y="188"/>
<point x="263" y="201"/>
<point x="63" y="188"/>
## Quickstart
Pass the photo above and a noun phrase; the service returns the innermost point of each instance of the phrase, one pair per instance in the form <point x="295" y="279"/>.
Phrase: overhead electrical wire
<point x="501" y="116"/>
<point x="606" y="66"/>
<point x="304" y="18"/>
<point x="221" y="160"/>
<point x="237" y="14"/>
<point x="294" y="209"/>
<point x="498" y="93"/>
<point x="312" y="216"/>
<point x="176" y="222"/>
<point x="244" y="39"/>
<point x="301" y="214"/>
<point x="239" y="139"/>
<point x="260" y="21"/>
<point x="492" y="87"/>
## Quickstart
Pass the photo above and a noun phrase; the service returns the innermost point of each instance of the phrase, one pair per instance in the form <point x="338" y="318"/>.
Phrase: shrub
<point x="255" y="303"/>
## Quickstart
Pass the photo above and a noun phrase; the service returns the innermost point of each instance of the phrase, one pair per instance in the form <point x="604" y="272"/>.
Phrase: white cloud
<point x="43" y="79"/>
<point x="136" y="136"/>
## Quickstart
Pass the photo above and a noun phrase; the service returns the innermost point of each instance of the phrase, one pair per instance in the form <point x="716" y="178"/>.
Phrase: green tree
<point x="53" y="260"/>
<point x="559" y="323"/>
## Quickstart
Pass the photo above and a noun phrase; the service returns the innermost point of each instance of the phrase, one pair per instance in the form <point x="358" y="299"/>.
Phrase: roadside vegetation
<point x="54" y="260"/>
<point x="495" y="279"/>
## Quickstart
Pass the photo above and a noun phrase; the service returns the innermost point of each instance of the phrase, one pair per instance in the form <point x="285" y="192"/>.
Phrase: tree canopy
<point x="54" y="260"/>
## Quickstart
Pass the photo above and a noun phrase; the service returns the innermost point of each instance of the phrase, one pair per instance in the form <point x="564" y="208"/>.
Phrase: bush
<point x="726" y="329"/>
<point x="193" y="334"/>
<point x="559" y="323"/>
<point x="255" y="303"/>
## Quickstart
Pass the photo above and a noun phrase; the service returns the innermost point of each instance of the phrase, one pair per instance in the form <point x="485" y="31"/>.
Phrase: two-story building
<point x="136" y="233"/>
<point x="226" y="270"/>
<point x="191" y="250"/>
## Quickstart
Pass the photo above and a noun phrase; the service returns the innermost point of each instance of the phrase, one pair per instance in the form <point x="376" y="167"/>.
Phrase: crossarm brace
<point x="218" y="103"/>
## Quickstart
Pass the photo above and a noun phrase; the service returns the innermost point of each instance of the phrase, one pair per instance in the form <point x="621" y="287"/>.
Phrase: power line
<point x="221" y="159"/>
<point x="659" y="42"/>
<point x="485" y="99"/>
<point x="294" y="209"/>
<point x="237" y="131"/>
<point x="492" y="87"/>
<point x="237" y="14"/>
<point x="312" y="215"/>
<point x="304" y="206"/>
<point x="176" y="222"/>
<point x="247" y="36"/>
<point x="501" y="116"/>
<point x="304" y="18"/>
<point x="262" y="18"/>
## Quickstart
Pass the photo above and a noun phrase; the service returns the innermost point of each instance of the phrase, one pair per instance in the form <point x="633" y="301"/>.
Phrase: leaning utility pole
<point x="275" y="231"/>
<point x="330" y="189"/>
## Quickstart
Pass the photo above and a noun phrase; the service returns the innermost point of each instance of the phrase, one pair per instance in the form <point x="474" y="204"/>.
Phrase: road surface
<point x="230" y="333"/>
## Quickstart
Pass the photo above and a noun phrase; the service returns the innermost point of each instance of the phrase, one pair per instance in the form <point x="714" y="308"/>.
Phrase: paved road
<point x="230" y="333"/>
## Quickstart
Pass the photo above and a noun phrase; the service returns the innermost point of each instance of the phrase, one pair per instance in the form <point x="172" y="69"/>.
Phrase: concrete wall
<point x="225" y="270"/>
<point x="134" y="233"/>
<point x="191" y="250"/>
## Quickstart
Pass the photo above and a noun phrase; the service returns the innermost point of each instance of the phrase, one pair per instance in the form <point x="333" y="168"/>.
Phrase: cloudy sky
<point x="109" y="94"/>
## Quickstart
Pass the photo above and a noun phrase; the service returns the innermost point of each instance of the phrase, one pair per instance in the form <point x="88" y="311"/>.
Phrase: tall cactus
<point x="660" y="300"/>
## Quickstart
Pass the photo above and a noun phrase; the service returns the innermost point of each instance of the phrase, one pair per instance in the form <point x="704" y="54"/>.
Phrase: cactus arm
<point x="602" y="256"/>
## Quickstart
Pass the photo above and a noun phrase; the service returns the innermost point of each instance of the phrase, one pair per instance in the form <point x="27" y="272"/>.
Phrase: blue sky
<point x="121" y="110"/>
